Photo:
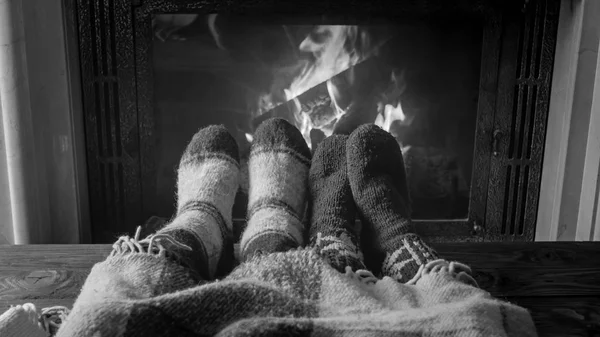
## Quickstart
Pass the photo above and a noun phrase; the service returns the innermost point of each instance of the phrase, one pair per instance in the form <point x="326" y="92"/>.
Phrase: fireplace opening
<point x="418" y="80"/>
<point x="463" y="86"/>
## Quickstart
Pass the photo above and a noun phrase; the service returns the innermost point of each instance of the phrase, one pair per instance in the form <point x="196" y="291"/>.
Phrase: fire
<point x="334" y="94"/>
<point x="334" y="49"/>
<point x="302" y="121"/>
<point x="390" y="114"/>
<point x="389" y="107"/>
<point x="211" y="20"/>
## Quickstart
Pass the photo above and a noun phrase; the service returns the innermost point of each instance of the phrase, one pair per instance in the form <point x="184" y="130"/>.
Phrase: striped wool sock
<point x="333" y="231"/>
<point x="278" y="171"/>
<point x="207" y="181"/>
<point x="379" y="187"/>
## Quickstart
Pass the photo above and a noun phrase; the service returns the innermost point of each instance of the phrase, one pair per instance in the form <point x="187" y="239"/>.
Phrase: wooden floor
<point x="559" y="282"/>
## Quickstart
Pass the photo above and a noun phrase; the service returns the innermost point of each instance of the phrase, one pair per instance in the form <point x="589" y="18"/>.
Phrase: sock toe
<point x="376" y="151"/>
<point x="277" y="132"/>
<point x="329" y="157"/>
<point x="212" y="140"/>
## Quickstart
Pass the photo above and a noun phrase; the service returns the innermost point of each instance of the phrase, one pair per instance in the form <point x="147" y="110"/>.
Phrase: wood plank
<point x="45" y="275"/>
<point x="504" y="269"/>
<point x="519" y="255"/>
<point x="563" y="316"/>
<point x="40" y="283"/>
<point x="51" y="256"/>
<point x="539" y="281"/>
<point x="531" y="268"/>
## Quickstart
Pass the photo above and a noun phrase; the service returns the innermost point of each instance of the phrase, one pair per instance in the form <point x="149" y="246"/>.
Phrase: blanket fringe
<point x="458" y="270"/>
<point x="153" y="244"/>
<point x="361" y="275"/>
<point x="50" y="318"/>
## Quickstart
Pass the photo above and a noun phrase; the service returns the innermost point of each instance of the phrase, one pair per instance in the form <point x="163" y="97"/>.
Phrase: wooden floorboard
<point x="563" y="316"/>
<point x="558" y="282"/>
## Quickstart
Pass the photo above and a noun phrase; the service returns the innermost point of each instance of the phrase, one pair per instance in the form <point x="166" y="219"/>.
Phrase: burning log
<point x="337" y="105"/>
<point x="344" y="84"/>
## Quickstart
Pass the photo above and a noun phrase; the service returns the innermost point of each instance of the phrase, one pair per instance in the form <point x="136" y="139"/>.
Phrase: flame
<point x="211" y="20"/>
<point x="334" y="51"/>
<point x="334" y="93"/>
<point x="389" y="115"/>
<point x="326" y="52"/>
<point x="302" y="121"/>
<point x="389" y="107"/>
<point x="333" y="48"/>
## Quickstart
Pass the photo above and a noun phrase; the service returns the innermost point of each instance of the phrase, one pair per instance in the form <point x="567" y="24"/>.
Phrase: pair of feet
<point x="360" y="175"/>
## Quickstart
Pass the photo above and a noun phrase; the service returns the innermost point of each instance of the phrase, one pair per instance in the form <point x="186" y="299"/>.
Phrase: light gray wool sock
<point x="207" y="181"/>
<point x="278" y="171"/>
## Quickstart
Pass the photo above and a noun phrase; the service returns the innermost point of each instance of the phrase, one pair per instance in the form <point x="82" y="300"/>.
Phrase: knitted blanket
<point x="283" y="294"/>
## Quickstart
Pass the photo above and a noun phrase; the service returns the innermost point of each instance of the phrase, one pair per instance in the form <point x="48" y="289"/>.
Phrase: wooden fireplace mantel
<point x="558" y="282"/>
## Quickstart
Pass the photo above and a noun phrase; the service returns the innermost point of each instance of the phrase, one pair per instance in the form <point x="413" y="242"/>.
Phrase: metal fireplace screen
<point x="463" y="90"/>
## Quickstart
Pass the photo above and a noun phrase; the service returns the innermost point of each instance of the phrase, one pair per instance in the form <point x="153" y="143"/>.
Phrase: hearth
<point x="462" y="85"/>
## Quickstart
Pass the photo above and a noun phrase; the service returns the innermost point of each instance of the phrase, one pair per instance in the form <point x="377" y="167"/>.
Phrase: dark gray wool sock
<point x="333" y="229"/>
<point x="207" y="181"/>
<point x="380" y="190"/>
<point x="278" y="187"/>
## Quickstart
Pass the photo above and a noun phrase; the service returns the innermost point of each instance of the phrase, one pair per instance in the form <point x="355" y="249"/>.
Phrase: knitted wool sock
<point x="378" y="182"/>
<point x="207" y="181"/>
<point x="333" y="229"/>
<point x="278" y="179"/>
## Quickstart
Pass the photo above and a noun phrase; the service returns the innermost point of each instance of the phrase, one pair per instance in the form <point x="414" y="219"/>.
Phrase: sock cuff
<point x="418" y="248"/>
<point x="338" y="251"/>
<point x="271" y="221"/>
<point x="211" y="210"/>
<point x="404" y="262"/>
<point x="266" y="243"/>
<point x="197" y="260"/>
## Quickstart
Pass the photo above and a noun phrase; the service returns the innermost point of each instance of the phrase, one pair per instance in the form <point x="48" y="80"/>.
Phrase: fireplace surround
<point x="121" y="66"/>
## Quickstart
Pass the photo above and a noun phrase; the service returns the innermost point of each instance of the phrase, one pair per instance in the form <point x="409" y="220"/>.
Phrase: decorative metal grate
<point x="111" y="124"/>
<point x="515" y="181"/>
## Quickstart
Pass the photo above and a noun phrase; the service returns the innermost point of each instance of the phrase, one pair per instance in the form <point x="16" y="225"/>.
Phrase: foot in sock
<point x="207" y="181"/>
<point x="379" y="187"/>
<point x="333" y="231"/>
<point x="278" y="179"/>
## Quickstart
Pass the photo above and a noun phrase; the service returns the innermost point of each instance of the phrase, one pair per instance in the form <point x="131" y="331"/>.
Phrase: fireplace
<point x="462" y="85"/>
